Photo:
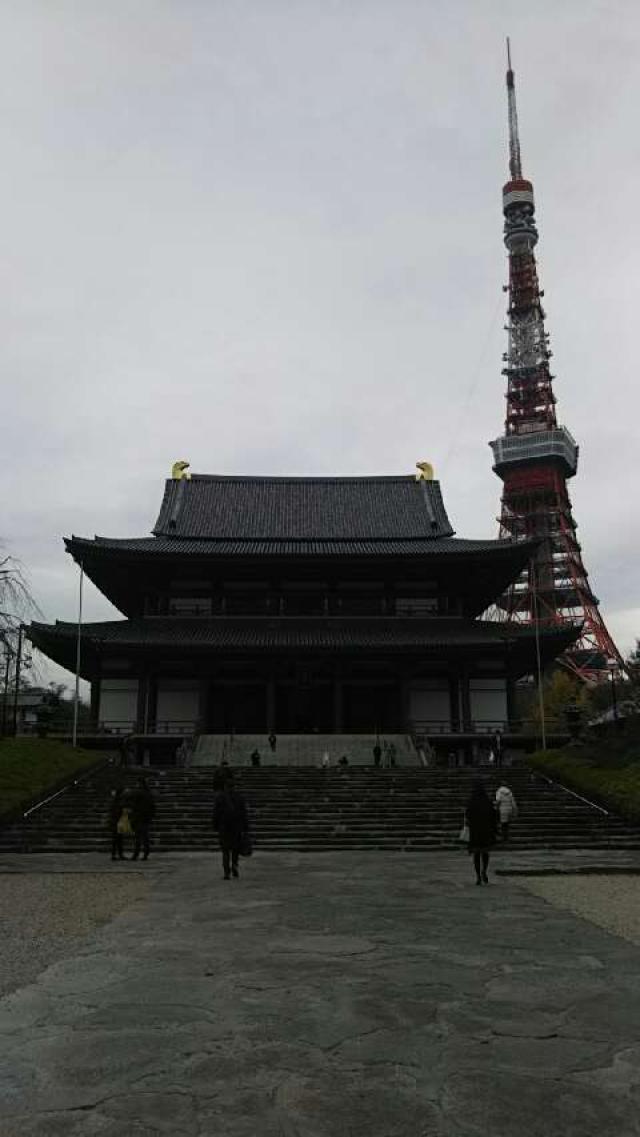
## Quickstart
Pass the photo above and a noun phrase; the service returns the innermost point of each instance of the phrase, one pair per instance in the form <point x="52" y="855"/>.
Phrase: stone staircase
<point x="299" y="749"/>
<point x="306" y="809"/>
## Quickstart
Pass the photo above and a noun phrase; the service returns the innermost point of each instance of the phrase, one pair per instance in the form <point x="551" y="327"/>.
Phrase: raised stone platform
<point x="305" y="750"/>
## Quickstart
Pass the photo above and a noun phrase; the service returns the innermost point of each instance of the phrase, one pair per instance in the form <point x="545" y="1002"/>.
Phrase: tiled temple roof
<point x="167" y="546"/>
<point x="303" y="509"/>
<point x="274" y="634"/>
<point x="224" y="520"/>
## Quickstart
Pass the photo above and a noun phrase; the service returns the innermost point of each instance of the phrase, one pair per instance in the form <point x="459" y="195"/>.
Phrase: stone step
<point x="315" y="831"/>
<point x="309" y="845"/>
<point x="313" y="810"/>
<point x="355" y="823"/>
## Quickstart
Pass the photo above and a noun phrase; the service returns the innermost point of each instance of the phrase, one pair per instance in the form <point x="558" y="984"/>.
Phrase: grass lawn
<point x="608" y="776"/>
<point x="31" y="766"/>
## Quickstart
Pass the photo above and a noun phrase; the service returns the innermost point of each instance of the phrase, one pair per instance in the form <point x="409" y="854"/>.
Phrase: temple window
<point x="358" y="598"/>
<point x="253" y="602"/>
<point x="416" y="605"/>
<point x="359" y="601"/>
<point x="189" y="606"/>
<point x="304" y="603"/>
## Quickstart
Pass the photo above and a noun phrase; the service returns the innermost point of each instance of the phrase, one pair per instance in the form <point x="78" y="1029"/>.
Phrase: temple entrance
<point x="241" y="707"/>
<point x="367" y="707"/>
<point x="302" y="710"/>
<point x="313" y="705"/>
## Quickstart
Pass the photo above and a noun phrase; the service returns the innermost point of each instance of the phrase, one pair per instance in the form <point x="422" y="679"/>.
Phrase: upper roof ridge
<point x="301" y="478"/>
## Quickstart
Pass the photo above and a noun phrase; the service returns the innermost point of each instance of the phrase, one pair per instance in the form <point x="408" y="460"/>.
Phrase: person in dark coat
<point x="482" y="819"/>
<point x="142" y="814"/>
<point x="222" y="775"/>
<point x="255" y="758"/>
<point x="231" y="822"/>
<point x="377" y="754"/>
<point x="115" y="813"/>
<point x="273" y="741"/>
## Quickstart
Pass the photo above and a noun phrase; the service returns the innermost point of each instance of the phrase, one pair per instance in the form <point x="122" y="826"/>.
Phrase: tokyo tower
<point x="535" y="457"/>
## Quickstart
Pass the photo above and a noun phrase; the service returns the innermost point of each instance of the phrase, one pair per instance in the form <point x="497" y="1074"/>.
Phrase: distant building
<point x="29" y="703"/>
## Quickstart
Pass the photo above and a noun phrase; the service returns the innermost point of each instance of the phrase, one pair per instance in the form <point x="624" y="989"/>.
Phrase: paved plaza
<point x="343" y="995"/>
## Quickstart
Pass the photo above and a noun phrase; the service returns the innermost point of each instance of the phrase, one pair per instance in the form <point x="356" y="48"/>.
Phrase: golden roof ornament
<point x="179" y="470"/>
<point x="425" y="472"/>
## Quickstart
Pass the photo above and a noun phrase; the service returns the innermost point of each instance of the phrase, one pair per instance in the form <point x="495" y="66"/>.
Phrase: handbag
<point x="124" y="825"/>
<point x="246" y="847"/>
<point x="464" y="834"/>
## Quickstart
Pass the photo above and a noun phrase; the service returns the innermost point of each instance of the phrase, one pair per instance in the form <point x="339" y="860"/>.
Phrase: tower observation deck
<point x="536" y="455"/>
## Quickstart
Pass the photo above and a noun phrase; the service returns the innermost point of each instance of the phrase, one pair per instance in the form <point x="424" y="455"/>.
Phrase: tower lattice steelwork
<point x="535" y="456"/>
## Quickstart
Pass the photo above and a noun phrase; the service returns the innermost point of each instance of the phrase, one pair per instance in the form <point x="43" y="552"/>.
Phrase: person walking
<point x="273" y="741"/>
<point x="377" y="755"/>
<point x="182" y="754"/>
<point x="482" y="820"/>
<point x="231" y="822"/>
<point x="116" y="824"/>
<point x="392" y="754"/>
<point x="507" y="809"/>
<point x="221" y="775"/>
<point x="326" y="762"/>
<point x="142" y="814"/>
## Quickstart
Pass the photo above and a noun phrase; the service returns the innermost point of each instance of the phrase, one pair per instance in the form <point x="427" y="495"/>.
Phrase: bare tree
<point x="17" y="603"/>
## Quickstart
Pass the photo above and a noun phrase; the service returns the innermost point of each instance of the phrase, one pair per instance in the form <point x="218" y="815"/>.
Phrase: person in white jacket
<point x="507" y="809"/>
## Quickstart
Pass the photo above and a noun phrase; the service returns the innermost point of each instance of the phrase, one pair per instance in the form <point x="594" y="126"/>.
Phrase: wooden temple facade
<point x="300" y="604"/>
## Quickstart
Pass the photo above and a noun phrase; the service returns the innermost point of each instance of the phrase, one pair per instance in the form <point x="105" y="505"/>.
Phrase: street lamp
<point x="613" y="670"/>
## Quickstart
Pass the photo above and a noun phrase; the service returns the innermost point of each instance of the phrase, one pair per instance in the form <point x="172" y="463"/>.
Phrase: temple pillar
<point x="203" y="706"/>
<point x="95" y="703"/>
<point x="271" y="703"/>
<point x="151" y="704"/>
<point x="405" y="704"/>
<point x="454" y="703"/>
<point x="465" y="700"/>
<point x="142" y="711"/>
<point x="511" y="701"/>
<point x="337" y="705"/>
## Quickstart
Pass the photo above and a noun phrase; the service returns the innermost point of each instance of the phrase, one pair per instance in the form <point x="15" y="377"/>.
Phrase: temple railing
<point x="488" y="727"/>
<point x="122" y="728"/>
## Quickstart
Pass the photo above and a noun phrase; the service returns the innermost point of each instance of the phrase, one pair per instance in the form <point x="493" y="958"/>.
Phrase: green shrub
<point x="612" y="784"/>
<point x="29" y="767"/>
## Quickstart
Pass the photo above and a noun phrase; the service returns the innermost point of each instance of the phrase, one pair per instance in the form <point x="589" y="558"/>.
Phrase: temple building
<point x="335" y="604"/>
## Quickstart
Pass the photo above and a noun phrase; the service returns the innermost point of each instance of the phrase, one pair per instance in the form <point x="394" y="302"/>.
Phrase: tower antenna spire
<point x="515" y="163"/>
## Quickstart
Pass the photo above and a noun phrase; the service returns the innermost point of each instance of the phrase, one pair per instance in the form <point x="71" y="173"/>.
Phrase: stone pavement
<point x="344" y="995"/>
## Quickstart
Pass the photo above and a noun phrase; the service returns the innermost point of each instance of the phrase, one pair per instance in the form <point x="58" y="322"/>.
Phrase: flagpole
<point x="77" y="692"/>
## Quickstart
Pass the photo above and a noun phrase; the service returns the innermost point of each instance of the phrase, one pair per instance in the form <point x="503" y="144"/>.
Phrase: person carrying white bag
<point x="507" y="809"/>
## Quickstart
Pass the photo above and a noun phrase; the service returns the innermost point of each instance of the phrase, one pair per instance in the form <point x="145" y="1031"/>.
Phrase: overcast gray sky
<point x="266" y="236"/>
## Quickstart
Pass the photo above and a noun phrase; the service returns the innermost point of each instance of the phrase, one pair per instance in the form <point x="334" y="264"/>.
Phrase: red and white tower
<point x="535" y="456"/>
